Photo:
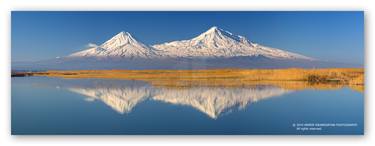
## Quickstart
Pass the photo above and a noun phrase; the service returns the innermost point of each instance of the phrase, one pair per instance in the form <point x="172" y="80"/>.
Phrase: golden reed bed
<point x="292" y="78"/>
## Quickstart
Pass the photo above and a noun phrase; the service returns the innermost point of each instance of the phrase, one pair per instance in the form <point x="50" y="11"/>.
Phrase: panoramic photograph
<point x="187" y="73"/>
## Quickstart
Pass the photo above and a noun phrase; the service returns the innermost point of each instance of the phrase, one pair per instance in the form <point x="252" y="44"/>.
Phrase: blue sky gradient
<point x="332" y="36"/>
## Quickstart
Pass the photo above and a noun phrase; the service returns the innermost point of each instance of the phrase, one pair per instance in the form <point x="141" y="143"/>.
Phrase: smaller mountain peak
<point x="119" y="39"/>
<point x="123" y="34"/>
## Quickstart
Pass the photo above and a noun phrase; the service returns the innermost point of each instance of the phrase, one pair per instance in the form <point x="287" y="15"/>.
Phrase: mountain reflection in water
<point x="123" y="96"/>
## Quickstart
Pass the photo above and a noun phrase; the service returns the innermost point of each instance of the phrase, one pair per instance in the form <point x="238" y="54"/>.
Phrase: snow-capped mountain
<point x="216" y="42"/>
<point x="121" y="45"/>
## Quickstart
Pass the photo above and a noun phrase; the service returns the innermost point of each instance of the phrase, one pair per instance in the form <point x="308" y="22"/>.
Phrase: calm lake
<point x="43" y="105"/>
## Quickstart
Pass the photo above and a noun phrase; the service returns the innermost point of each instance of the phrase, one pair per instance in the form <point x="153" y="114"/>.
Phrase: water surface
<point x="42" y="105"/>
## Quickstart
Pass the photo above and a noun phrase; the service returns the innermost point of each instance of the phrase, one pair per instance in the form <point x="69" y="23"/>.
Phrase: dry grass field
<point x="292" y="78"/>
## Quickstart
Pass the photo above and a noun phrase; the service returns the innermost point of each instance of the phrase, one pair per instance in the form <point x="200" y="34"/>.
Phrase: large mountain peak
<point x="213" y="29"/>
<point x="217" y="42"/>
<point x="216" y="34"/>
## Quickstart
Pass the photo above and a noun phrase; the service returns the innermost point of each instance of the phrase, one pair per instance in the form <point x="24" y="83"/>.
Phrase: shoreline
<point x="291" y="78"/>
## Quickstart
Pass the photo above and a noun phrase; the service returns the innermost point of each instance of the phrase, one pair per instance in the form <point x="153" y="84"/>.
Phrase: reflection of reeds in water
<point x="294" y="78"/>
<point x="292" y="85"/>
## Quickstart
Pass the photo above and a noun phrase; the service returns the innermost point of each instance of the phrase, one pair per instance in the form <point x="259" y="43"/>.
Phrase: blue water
<point x="42" y="105"/>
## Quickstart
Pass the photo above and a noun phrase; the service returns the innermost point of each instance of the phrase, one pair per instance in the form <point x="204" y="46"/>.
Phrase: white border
<point x="6" y="6"/>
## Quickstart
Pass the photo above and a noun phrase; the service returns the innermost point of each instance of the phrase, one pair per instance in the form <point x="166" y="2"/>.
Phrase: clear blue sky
<point x="333" y="36"/>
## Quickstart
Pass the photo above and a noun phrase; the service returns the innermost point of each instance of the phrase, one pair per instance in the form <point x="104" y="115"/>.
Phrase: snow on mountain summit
<point x="215" y="33"/>
<point x="121" y="45"/>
